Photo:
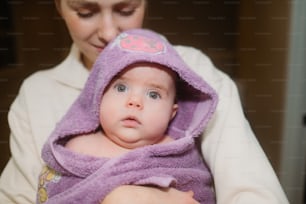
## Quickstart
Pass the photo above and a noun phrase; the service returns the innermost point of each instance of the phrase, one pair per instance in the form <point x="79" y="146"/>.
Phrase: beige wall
<point x="262" y="56"/>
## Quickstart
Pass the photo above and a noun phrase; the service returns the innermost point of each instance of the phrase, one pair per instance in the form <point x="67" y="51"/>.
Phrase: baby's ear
<point x="174" y="110"/>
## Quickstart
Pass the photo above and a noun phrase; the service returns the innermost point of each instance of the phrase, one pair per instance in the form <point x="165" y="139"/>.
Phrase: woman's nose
<point x="108" y="28"/>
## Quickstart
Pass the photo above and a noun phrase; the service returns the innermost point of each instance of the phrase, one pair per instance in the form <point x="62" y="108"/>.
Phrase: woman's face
<point x="93" y="23"/>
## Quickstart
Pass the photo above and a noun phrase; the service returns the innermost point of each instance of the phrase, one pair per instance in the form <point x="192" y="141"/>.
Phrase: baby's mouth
<point x="131" y="122"/>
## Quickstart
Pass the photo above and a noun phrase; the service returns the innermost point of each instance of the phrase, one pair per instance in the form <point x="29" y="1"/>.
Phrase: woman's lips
<point x="99" y="48"/>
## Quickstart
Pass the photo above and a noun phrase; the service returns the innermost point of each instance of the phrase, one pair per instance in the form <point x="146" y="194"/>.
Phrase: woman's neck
<point x="87" y="63"/>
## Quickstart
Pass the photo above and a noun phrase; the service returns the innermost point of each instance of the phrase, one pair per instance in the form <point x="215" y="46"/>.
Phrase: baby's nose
<point x="135" y="102"/>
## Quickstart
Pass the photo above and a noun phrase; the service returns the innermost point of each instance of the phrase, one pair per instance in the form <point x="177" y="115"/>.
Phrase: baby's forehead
<point x="152" y="66"/>
<point x="148" y="73"/>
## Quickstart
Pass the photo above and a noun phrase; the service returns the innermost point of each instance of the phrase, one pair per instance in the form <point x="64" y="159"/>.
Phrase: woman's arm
<point x="18" y="181"/>
<point x="241" y="171"/>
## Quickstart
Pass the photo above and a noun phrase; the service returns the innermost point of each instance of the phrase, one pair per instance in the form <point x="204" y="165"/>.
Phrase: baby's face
<point x="138" y="104"/>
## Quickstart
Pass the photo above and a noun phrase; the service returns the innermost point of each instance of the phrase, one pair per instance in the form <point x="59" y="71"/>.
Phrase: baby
<point x="134" y="123"/>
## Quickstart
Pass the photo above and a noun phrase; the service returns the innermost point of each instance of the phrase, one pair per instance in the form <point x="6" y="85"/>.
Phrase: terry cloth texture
<point x="75" y="178"/>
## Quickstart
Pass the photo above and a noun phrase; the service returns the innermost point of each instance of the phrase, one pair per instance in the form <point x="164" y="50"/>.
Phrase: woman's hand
<point x="142" y="194"/>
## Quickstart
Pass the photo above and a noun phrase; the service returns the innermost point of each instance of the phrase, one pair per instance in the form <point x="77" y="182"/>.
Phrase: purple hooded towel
<point x="76" y="178"/>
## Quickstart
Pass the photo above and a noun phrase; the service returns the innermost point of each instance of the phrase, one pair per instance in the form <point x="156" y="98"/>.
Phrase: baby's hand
<point x="149" y="195"/>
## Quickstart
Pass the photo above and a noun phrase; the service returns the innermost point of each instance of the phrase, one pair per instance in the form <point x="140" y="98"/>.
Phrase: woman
<point x="241" y="171"/>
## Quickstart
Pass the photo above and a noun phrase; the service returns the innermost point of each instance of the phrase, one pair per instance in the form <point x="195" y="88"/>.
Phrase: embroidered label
<point x="47" y="175"/>
<point x="136" y="43"/>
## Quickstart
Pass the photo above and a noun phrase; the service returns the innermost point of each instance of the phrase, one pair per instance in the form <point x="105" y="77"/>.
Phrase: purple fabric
<point x="87" y="179"/>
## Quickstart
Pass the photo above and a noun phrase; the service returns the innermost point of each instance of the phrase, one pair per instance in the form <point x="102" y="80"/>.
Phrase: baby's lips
<point x="131" y="122"/>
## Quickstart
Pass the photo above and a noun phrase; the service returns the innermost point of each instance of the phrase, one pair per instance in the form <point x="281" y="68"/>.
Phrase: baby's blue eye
<point x="154" y="95"/>
<point x="120" y="87"/>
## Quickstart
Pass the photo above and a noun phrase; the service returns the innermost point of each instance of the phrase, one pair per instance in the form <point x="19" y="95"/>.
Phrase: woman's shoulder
<point x="69" y="72"/>
<point x="46" y="84"/>
<point x="39" y="80"/>
<point x="189" y="51"/>
<point x="40" y="75"/>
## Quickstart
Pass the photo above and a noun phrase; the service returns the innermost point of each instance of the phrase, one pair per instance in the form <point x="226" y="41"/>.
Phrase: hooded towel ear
<point x="195" y="109"/>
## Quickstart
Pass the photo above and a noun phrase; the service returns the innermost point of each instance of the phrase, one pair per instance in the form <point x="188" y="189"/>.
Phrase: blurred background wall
<point x="252" y="41"/>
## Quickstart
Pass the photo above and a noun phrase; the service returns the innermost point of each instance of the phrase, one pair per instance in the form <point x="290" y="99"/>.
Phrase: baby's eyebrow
<point x="158" y="86"/>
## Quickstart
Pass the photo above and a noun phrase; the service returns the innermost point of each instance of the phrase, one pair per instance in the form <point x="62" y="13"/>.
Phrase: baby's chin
<point x="134" y="144"/>
<point x="143" y="143"/>
<point x="131" y="142"/>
